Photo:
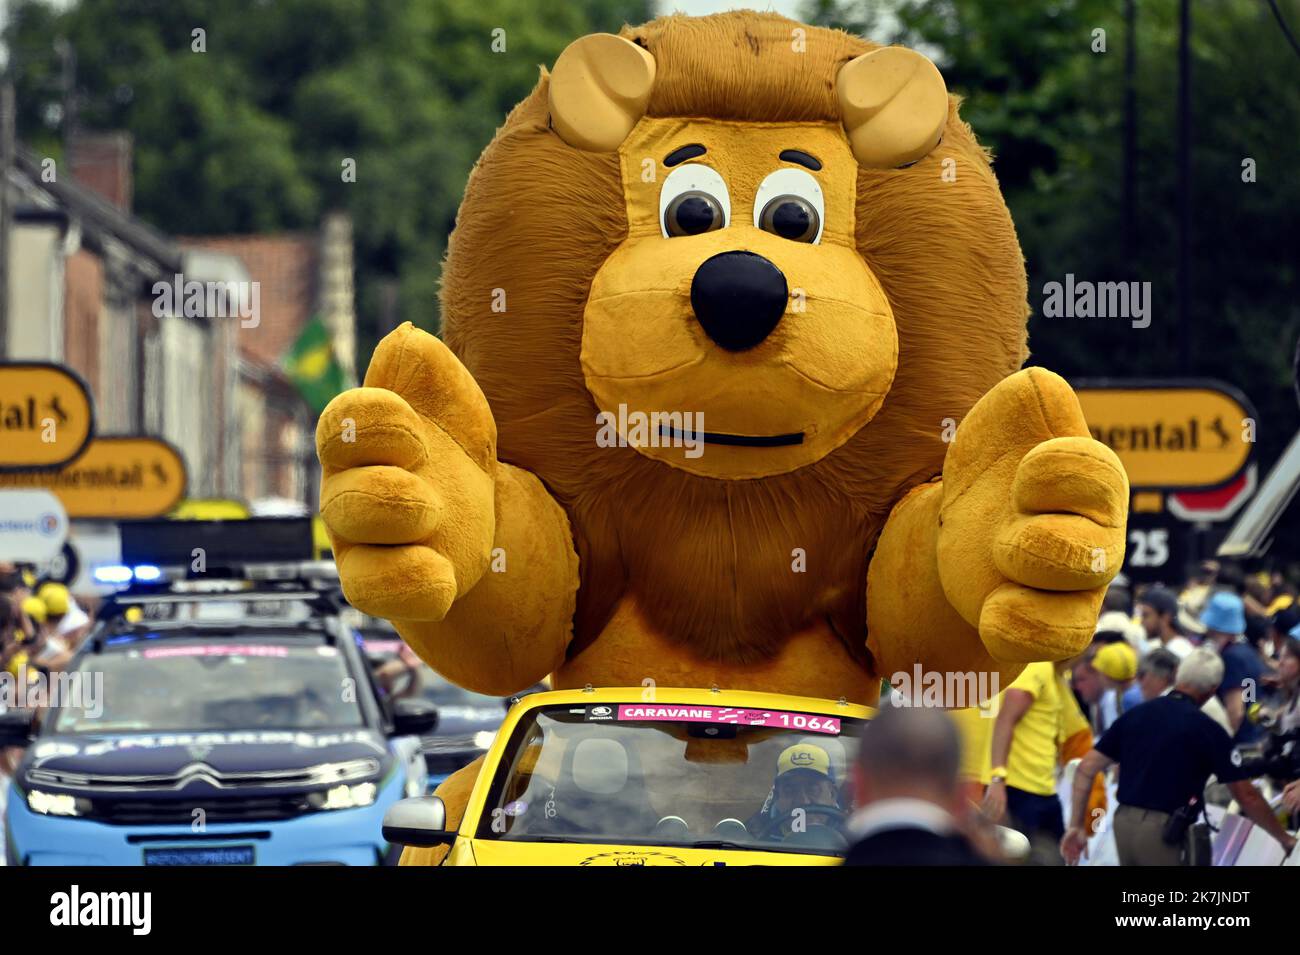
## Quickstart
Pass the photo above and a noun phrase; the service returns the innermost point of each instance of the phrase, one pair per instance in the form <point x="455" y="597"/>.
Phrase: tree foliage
<point x="1052" y="111"/>
<point x="251" y="135"/>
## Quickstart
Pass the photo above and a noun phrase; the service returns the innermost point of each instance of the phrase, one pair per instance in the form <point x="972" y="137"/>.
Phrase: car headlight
<point x="344" y="797"/>
<point x="55" y="804"/>
<point x="483" y="739"/>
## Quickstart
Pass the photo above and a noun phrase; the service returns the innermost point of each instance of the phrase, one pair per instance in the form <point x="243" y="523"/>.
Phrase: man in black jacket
<point x="1167" y="750"/>
<point x="908" y="792"/>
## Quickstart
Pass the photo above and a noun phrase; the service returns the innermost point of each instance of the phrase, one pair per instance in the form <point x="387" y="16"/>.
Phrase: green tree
<point x="1051" y="109"/>
<point x="252" y="134"/>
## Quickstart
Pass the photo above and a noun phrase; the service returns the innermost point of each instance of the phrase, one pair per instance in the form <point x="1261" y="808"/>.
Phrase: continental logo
<point x="46" y="415"/>
<point x="126" y="476"/>
<point x="136" y="476"/>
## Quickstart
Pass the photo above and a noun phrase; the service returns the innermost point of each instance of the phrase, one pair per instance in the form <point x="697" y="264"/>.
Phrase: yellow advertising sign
<point x="1175" y="436"/>
<point x="46" y="415"/>
<point x="116" y="477"/>
<point x="209" y="509"/>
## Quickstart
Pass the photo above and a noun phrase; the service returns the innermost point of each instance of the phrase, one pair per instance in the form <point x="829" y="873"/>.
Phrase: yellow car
<point x="653" y="776"/>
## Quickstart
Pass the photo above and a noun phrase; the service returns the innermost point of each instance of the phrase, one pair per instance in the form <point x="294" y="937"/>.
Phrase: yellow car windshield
<point x="675" y="775"/>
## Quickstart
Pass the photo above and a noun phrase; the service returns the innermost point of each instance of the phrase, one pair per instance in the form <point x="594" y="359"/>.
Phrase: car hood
<point x="227" y="753"/>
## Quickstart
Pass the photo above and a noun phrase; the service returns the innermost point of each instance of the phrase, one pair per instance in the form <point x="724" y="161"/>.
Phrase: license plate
<point x="200" y="855"/>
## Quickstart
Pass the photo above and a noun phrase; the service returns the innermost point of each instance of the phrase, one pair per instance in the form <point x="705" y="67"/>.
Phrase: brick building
<point x="84" y="290"/>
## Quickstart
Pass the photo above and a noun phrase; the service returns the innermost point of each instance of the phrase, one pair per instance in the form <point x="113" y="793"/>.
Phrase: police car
<point x="227" y="721"/>
<point x="467" y="721"/>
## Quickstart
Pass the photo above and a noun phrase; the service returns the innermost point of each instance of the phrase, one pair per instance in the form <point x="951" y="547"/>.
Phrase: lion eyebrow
<point x="684" y="153"/>
<point x="801" y="157"/>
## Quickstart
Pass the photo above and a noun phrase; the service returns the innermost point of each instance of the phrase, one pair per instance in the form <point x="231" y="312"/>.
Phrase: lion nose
<point x="738" y="298"/>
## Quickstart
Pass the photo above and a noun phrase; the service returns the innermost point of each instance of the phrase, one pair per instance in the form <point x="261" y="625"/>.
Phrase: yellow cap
<point x="134" y="615"/>
<point x="55" y="597"/>
<point x="803" y="756"/>
<point x="34" y="607"/>
<point x="1117" y="661"/>
<point x="17" y="665"/>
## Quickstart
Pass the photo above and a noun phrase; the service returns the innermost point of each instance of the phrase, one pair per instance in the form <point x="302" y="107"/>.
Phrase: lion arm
<point x="512" y="627"/>
<point x="909" y="620"/>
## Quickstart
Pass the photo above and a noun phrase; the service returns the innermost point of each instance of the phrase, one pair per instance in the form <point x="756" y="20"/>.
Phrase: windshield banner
<point x="217" y="650"/>
<point x="735" y="716"/>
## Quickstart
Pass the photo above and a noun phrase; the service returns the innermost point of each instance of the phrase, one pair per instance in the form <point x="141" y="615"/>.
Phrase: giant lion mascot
<point x="783" y="243"/>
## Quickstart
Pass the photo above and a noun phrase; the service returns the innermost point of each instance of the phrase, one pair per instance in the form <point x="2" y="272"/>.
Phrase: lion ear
<point x="599" y="90"/>
<point x="894" y="105"/>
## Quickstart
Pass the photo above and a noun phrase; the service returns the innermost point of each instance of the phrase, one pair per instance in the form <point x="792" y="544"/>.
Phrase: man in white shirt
<point x="1158" y="611"/>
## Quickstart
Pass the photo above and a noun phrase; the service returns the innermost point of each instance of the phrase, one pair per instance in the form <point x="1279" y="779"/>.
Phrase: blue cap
<point x="1294" y="632"/>
<point x="1225" y="613"/>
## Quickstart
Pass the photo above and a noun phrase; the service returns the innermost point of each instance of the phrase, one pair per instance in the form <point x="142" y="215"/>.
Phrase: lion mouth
<point x="734" y="440"/>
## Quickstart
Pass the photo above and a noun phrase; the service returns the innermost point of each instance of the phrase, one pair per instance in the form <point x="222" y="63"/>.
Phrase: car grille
<point x="169" y="812"/>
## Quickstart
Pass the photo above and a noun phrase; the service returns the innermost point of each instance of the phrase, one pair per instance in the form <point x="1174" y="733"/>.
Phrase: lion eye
<point x="789" y="203"/>
<point x="693" y="200"/>
<point x="692" y="213"/>
<point x="790" y="217"/>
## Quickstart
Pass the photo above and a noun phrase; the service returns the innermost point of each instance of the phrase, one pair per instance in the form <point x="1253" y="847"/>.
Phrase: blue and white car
<point x="467" y="721"/>
<point x="467" y="725"/>
<point x="216" y="739"/>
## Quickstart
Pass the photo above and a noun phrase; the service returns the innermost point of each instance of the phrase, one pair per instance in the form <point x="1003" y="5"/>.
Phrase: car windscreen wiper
<point x="722" y="844"/>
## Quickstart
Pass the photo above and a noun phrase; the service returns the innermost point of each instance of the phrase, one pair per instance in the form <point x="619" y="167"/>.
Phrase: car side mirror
<point x="414" y="717"/>
<point x="16" y="727"/>
<point x="419" y="821"/>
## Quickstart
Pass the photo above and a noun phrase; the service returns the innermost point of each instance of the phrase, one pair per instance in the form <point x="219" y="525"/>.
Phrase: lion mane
<point x="709" y="561"/>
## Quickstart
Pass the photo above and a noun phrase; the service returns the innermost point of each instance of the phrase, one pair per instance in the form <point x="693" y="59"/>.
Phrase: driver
<point x="805" y="780"/>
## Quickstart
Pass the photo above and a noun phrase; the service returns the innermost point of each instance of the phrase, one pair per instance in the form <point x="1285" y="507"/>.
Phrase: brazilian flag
<point x="311" y="364"/>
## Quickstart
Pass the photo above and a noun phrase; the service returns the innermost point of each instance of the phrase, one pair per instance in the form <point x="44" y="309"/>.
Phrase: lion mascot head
<point x="778" y="240"/>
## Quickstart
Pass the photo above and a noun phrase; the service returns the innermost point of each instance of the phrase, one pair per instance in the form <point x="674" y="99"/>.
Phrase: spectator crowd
<point x="41" y="627"/>
<point x="1183" y="711"/>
